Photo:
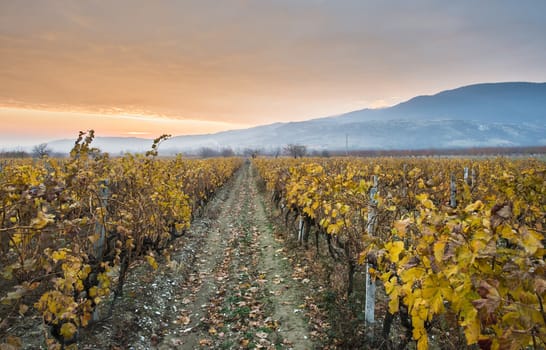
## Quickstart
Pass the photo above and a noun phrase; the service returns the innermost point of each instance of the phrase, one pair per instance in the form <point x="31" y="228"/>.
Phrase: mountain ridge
<point x="508" y="114"/>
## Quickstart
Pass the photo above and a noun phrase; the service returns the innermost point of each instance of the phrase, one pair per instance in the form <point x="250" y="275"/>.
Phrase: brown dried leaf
<point x="261" y="335"/>
<point x="5" y="346"/>
<point x="185" y="320"/>
<point x="540" y="285"/>
<point x="23" y="309"/>
<point x="14" y="342"/>
<point x="205" y="342"/>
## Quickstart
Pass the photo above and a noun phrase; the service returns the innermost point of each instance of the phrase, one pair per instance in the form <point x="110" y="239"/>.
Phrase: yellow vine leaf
<point x="435" y="291"/>
<point x="394" y="301"/>
<point x="418" y="324"/>
<point x="423" y="198"/>
<point x="476" y="206"/>
<point x="16" y="239"/>
<point x="391" y="208"/>
<point x="507" y="232"/>
<point x="470" y="322"/>
<point x="530" y="240"/>
<point x="401" y="226"/>
<point x="309" y="212"/>
<point x="41" y="220"/>
<point x="94" y="238"/>
<point x="85" y="318"/>
<point x="152" y="262"/>
<point x="427" y="203"/>
<point x="465" y="256"/>
<point x="394" y="249"/>
<point x="439" y="248"/>
<point x="412" y="274"/>
<point x="59" y="254"/>
<point x="333" y="228"/>
<point x="422" y="343"/>
<point x="472" y="332"/>
<point x="68" y="330"/>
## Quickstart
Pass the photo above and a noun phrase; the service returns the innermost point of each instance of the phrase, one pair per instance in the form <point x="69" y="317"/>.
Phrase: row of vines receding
<point x="453" y="239"/>
<point x="71" y="228"/>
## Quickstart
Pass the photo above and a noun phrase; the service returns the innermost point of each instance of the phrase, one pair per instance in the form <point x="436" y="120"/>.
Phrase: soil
<point x="228" y="284"/>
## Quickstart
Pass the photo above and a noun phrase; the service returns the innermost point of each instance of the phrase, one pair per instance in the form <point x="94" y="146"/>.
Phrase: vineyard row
<point x="461" y="239"/>
<point x="70" y="229"/>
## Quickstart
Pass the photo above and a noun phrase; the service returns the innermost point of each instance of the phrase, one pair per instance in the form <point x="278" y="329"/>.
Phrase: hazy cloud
<point x="253" y="62"/>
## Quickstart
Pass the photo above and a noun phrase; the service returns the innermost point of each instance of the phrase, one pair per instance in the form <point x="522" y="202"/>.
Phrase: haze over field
<point x="139" y="68"/>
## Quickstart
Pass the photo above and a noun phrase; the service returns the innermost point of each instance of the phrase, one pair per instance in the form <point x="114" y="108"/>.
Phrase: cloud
<point x="252" y="62"/>
<point x="137" y="133"/>
<point x="29" y="126"/>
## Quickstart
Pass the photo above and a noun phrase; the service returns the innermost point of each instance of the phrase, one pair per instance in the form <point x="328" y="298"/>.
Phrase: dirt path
<point x="228" y="286"/>
<point x="287" y="300"/>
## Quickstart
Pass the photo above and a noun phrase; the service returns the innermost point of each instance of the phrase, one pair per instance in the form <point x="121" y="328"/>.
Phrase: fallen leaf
<point x="185" y="320"/>
<point x="261" y="335"/>
<point x="23" y="309"/>
<point x="205" y="342"/>
<point x="15" y="341"/>
<point x="5" y="346"/>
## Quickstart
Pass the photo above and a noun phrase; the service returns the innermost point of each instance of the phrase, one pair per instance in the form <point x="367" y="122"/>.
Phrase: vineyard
<point x="439" y="248"/>
<point x="70" y="229"/>
<point x="456" y="244"/>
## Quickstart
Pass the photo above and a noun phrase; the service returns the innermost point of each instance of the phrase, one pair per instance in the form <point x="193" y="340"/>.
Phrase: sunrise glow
<point x="139" y="68"/>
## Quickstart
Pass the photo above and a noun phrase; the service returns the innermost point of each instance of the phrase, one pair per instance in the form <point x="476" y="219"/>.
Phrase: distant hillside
<point x="482" y="115"/>
<point x="492" y="102"/>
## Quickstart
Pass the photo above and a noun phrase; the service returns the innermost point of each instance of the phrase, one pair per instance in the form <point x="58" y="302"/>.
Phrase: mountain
<point x="492" y="102"/>
<point x="481" y="115"/>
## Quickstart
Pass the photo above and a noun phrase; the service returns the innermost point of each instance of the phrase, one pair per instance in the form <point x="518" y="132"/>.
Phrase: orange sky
<point x="42" y="126"/>
<point x="187" y="67"/>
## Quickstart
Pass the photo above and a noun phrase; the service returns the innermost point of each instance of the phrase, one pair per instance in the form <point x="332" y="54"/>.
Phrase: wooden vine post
<point x="453" y="188"/>
<point x="369" y="302"/>
<point x="104" y="193"/>
<point x="49" y="168"/>
<point x="300" y="230"/>
<point x="4" y="238"/>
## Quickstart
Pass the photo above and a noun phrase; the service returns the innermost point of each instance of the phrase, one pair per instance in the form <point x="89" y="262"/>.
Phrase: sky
<point x="145" y="68"/>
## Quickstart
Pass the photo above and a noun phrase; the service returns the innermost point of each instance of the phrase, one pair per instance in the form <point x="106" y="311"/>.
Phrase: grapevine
<point x="71" y="228"/>
<point x="453" y="237"/>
